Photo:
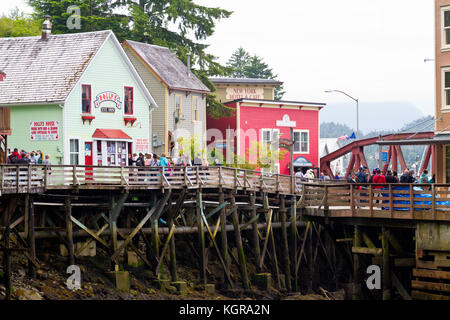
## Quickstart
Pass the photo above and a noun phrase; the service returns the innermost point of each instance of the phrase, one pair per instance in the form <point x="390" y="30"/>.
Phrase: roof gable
<point x="45" y="71"/>
<point x="166" y="66"/>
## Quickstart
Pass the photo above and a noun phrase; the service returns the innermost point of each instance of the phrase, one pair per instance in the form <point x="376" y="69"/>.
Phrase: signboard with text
<point x="108" y="102"/>
<point x="234" y="93"/>
<point x="44" y="130"/>
<point x="142" y="145"/>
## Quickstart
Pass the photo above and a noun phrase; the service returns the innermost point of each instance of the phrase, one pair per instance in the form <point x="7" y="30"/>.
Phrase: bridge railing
<point x="35" y="178"/>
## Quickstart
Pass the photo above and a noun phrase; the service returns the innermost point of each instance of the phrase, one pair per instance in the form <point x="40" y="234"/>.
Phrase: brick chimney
<point x="46" y="28"/>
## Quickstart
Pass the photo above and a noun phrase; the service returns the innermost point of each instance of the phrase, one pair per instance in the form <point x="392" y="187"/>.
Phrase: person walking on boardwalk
<point x="390" y="177"/>
<point x="379" y="179"/>
<point x="405" y="176"/>
<point x="361" y="176"/>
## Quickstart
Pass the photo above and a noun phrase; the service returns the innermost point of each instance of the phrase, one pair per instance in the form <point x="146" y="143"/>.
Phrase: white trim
<point x="300" y="131"/>
<point x="238" y="129"/>
<point x="79" y="149"/>
<point x="444" y="46"/>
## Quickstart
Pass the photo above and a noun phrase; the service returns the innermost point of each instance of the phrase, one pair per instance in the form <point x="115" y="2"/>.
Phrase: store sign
<point x="44" y="130"/>
<point x="142" y="145"/>
<point x="108" y="102"/>
<point x="234" y="93"/>
<point x="286" y="122"/>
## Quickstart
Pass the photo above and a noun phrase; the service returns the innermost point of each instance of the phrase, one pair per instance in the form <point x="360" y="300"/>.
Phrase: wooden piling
<point x="386" y="264"/>
<point x="201" y="239"/>
<point x="7" y="263"/>
<point x="287" y="263"/>
<point x="255" y="238"/>
<point x="69" y="230"/>
<point x="173" y="257"/>
<point x="31" y="238"/>
<point x="223" y="235"/>
<point x="310" y="262"/>
<point x="294" y="232"/>
<point x="240" y="248"/>
<point x="357" y="242"/>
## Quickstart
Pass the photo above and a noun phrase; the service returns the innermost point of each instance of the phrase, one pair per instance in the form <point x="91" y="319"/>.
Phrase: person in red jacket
<point x="379" y="179"/>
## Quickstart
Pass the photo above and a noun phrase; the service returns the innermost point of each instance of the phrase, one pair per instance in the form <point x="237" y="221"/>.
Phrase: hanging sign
<point x="44" y="130"/>
<point x="384" y="156"/>
<point x="108" y="101"/>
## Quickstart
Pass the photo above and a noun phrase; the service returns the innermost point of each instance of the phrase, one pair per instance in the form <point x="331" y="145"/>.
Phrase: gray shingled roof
<point x="167" y="66"/>
<point x="44" y="71"/>
<point x="218" y="80"/>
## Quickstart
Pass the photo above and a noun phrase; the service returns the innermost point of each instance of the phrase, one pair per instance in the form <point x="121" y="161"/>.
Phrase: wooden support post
<point x="287" y="263"/>
<point x="356" y="265"/>
<point x="7" y="263"/>
<point x="201" y="238"/>
<point x="240" y="248"/>
<point x="255" y="238"/>
<point x="69" y="230"/>
<point x="294" y="245"/>
<point x="224" y="240"/>
<point x="310" y="262"/>
<point x="173" y="257"/>
<point x="386" y="264"/>
<point x="31" y="238"/>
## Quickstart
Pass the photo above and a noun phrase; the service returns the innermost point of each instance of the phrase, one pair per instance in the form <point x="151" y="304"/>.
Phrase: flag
<point x="344" y="137"/>
<point x="353" y="136"/>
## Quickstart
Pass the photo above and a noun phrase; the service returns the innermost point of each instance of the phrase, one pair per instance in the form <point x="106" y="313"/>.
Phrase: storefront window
<point x="86" y="98"/>
<point x="116" y="153"/>
<point x="128" y="100"/>
<point x="301" y="141"/>
<point x="74" y="151"/>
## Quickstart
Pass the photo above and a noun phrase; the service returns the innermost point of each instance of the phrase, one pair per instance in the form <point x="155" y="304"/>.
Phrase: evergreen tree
<point x="17" y="25"/>
<point x="169" y="23"/>
<point x="238" y="61"/>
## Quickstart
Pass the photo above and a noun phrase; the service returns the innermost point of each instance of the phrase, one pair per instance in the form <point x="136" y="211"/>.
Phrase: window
<point x="74" y="151"/>
<point x="178" y="106"/>
<point x="301" y="141"/>
<point x="195" y="111"/>
<point x="116" y="153"/>
<point x="269" y="137"/>
<point x="86" y="98"/>
<point x="446" y="88"/>
<point x="128" y="100"/>
<point x="445" y="24"/>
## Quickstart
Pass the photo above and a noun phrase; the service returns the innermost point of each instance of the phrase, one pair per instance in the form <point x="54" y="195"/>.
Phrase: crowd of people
<point x="377" y="177"/>
<point x="24" y="157"/>
<point x="153" y="160"/>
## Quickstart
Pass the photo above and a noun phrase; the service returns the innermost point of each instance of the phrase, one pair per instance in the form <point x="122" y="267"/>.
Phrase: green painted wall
<point x="20" y="124"/>
<point x="106" y="72"/>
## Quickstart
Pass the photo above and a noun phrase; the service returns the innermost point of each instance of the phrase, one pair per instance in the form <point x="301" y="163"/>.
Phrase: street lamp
<point x="357" y="107"/>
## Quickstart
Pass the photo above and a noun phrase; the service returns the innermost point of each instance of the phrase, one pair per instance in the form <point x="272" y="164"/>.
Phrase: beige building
<point x="229" y="89"/>
<point x="180" y="95"/>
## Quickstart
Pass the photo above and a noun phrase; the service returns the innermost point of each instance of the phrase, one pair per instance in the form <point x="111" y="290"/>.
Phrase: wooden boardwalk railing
<point x="390" y="201"/>
<point x="38" y="178"/>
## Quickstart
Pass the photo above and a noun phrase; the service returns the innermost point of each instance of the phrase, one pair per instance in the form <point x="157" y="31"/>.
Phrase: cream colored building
<point x="229" y="89"/>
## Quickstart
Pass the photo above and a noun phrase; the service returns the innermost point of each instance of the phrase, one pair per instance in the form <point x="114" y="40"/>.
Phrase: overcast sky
<point x="374" y="50"/>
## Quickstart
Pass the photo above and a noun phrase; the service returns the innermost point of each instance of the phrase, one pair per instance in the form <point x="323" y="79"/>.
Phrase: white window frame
<point x="277" y="162"/>
<point x="78" y="153"/>
<point x="300" y="136"/>
<point x="444" y="46"/>
<point x="443" y="89"/>
<point x="178" y="111"/>
<point x="195" y="98"/>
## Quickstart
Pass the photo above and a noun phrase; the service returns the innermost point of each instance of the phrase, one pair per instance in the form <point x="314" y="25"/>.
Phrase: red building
<point x="260" y="123"/>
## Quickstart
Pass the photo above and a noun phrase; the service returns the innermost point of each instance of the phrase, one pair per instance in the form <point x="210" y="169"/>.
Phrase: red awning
<point x="110" y="134"/>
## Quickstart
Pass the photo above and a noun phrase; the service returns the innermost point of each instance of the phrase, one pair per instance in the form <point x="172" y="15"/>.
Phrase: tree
<point x="246" y="66"/>
<point x="17" y="25"/>
<point x="176" y="24"/>
<point x="238" y="61"/>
